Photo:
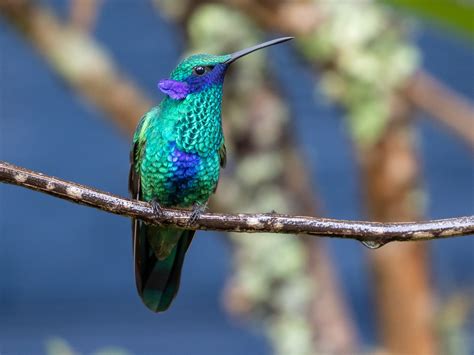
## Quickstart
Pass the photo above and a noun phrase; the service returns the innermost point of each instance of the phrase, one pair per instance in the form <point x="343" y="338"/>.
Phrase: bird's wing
<point x="136" y="152"/>
<point x="222" y="159"/>
<point x="223" y="154"/>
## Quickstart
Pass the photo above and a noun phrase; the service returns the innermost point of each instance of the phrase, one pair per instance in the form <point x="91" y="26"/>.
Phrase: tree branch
<point x="372" y="232"/>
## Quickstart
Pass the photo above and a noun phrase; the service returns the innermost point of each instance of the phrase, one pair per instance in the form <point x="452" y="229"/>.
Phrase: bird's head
<point x="199" y="72"/>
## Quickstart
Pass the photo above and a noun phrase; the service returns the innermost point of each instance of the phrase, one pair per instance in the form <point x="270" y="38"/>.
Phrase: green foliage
<point x="457" y="14"/>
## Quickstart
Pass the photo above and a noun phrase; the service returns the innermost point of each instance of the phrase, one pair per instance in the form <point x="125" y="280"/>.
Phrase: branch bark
<point x="371" y="232"/>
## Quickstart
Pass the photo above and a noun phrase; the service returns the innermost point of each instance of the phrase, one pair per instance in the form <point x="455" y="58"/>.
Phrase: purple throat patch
<point x="175" y="89"/>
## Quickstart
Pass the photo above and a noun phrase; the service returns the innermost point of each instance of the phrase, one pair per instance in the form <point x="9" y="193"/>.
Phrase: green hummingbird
<point x="176" y="155"/>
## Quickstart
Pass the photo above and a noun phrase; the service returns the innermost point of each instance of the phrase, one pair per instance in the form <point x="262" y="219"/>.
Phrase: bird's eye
<point x="199" y="70"/>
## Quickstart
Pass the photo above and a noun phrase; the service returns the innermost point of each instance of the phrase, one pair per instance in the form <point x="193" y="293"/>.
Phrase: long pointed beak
<point x="243" y="52"/>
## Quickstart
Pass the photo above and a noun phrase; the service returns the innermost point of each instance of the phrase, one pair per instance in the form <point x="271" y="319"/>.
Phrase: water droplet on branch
<point x="373" y="244"/>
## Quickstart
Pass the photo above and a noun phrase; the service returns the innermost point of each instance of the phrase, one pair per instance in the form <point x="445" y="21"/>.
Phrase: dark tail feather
<point x="158" y="280"/>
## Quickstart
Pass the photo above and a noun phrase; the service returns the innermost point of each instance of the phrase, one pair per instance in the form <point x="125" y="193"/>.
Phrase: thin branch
<point x="373" y="232"/>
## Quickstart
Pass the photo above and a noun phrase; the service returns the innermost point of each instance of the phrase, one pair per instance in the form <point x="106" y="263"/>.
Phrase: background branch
<point x="444" y="105"/>
<point x="375" y="232"/>
<point x="92" y="73"/>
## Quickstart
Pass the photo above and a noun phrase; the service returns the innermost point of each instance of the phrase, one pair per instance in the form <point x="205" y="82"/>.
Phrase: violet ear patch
<point x="175" y="89"/>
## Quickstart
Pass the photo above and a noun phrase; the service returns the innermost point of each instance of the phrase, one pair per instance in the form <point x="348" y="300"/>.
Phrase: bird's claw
<point x="196" y="212"/>
<point x="157" y="209"/>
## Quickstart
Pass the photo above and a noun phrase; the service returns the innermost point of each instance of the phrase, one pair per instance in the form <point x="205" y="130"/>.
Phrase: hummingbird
<point x="176" y="155"/>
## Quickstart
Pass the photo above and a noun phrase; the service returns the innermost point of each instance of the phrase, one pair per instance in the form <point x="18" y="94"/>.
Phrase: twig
<point x="267" y="222"/>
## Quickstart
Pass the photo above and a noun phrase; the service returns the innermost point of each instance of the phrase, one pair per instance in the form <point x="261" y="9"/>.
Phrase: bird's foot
<point x="198" y="209"/>
<point x="157" y="209"/>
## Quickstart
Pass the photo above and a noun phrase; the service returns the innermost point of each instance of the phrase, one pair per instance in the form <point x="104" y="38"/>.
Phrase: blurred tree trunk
<point x="403" y="293"/>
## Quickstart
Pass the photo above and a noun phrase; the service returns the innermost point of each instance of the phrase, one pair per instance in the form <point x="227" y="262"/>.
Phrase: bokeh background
<point x="352" y="120"/>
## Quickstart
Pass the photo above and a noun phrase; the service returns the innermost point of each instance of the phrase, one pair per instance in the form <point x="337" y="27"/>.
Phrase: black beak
<point x="243" y="52"/>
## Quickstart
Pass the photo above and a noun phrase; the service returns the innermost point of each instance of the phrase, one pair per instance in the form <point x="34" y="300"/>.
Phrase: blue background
<point x="66" y="270"/>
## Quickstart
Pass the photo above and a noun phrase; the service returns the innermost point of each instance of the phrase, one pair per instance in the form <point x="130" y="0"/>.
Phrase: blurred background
<point x="365" y="115"/>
